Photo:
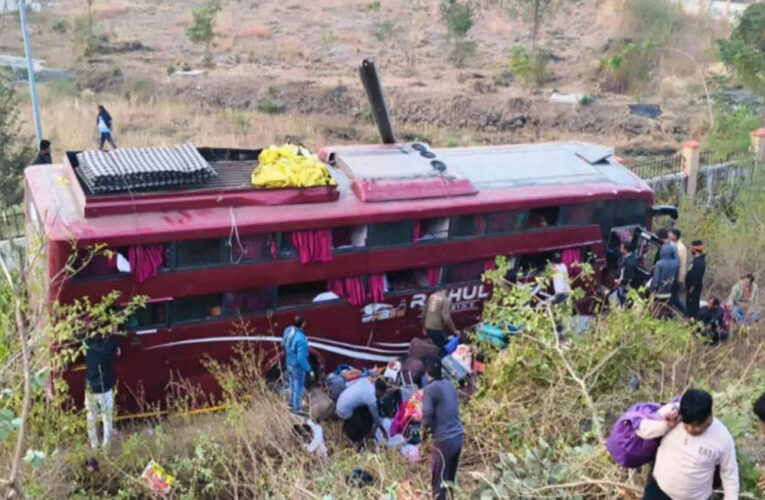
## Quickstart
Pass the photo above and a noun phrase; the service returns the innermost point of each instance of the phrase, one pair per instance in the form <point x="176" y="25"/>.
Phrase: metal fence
<point x="708" y="157"/>
<point x="656" y="166"/>
<point x="11" y="223"/>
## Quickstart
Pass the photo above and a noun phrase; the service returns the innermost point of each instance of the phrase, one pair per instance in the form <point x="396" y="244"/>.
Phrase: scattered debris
<point x="190" y="72"/>
<point x="18" y="66"/>
<point x="652" y="111"/>
<point x="558" y="98"/>
<point x="158" y="480"/>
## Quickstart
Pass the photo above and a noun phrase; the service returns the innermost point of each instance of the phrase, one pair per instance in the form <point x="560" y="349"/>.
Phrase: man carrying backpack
<point x="295" y="345"/>
<point x="693" y="444"/>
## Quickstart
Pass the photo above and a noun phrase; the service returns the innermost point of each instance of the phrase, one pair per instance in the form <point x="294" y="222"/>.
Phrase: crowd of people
<point x="360" y="402"/>
<point x="677" y="285"/>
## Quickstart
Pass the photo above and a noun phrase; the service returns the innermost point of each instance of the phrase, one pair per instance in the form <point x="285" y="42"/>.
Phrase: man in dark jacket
<point x="712" y="319"/>
<point x="441" y="415"/>
<point x="694" y="280"/>
<point x="44" y="157"/>
<point x="664" y="277"/>
<point x="99" y="393"/>
<point x="628" y="274"/>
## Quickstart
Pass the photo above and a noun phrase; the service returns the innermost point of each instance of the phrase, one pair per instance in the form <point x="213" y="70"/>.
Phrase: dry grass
<point x="109" y="10"/>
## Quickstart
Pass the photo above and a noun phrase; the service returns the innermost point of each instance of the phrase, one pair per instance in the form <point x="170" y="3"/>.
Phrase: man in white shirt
<point x="689" y="453"/>
<point x="560" y="278"/>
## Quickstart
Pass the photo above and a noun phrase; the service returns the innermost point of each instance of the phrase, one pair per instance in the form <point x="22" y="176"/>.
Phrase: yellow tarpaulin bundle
<point x="290" y="166"/>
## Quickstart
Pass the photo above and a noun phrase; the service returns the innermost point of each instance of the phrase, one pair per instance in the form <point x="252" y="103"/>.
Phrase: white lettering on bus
<point x="455" y="295"/>
<point x="482" y="293"/>
<point x="418" y="300"/>
<point x="471" y="294"/>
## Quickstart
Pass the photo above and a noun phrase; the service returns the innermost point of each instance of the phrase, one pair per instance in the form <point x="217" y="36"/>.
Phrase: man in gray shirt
<point x="441" y="415"/>
<point x="357" y="406"/>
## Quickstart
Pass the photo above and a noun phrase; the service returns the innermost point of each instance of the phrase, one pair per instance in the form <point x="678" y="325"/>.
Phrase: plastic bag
<point x="290" y="166"/>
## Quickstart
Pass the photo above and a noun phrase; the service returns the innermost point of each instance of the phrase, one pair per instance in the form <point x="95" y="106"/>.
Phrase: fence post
<point x="758" y="144"/>
<point x="691" y="165"/>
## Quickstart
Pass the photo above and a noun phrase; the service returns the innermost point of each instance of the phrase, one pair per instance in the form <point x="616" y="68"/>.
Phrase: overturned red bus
<point x="357" y="261"/>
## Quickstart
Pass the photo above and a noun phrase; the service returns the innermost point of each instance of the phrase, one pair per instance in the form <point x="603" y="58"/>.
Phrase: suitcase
<point x="453" y="370"/>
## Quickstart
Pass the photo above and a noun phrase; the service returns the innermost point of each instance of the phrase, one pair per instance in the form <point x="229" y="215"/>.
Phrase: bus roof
<point x="504" y="177"/>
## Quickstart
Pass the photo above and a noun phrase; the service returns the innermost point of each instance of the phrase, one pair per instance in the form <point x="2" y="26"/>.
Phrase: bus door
<point x="646" y="246"/>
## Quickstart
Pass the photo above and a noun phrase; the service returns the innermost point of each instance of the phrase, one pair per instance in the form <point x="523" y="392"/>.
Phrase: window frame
<point x="277" y="306"/>
<point x="446" y="269"/>
<point x="174" y="321"/>
<point x="351" y="249"/>
<point x="222" y="256"/>
<point x="525" y="212"/>
<point x="453" y="226"/>
<point x="167" y="304"/>
<point x="416" y="289"/>
<point x="373" y="227"/>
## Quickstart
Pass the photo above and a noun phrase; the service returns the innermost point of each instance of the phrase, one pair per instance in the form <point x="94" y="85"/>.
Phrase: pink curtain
<point x="434" y="276"/>
<point x="145" y="261"/>
<point x="313" y="246"/>
<point x="274" y="251"/>
<point x="350" y="289"/>
<point x="569" y="257"/>
<point x="377" y="287"/>
<point x="490" y="265"/>
<point x="417" y="227"/>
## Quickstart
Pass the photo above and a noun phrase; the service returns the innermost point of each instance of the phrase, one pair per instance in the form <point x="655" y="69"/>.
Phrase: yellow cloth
<point x="290" y="166"/>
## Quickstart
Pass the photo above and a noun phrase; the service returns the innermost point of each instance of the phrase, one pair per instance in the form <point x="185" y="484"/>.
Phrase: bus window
<point x="433" y="229"/>
<point x="103" y="263"/>
<point x="468" y="225"/>
<point x="196" y="253"/>
<point x="507" y="222"/>
<point x="349" y="237"/>
<point x="579" y="214"/>
<point x="247" y="301"/>
<point x="532" y="265"/>
<point x="152" y="315"/>
<point x="629" y="212"/>
<point x="299" y="294"/>
<point x="249" y="248"/>
<point x="286" y="248"/>
<point x="465" y="271"/>
<point x="389" y="234"/>
<point x="543" y="217"/>
<point x="197" y="308"/>
<point x="407" y="279"/>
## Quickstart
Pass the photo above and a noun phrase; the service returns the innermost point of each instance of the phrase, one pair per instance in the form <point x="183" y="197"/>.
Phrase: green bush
<point x="383" y="29"/>
<point x="530" y="67"/>
<point x="458" y="18"/>
<point x="731" y="132"/>
<point x="744" y="52"/>
<point x="61" y="26"/>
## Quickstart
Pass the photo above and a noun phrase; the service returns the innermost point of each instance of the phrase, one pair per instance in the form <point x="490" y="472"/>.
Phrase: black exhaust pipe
<point x="376" y="96"/>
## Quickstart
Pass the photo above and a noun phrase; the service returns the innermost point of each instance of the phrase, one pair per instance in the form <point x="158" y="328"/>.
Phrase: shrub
<point x="202" y="27"/>
<point x="743" y="51"/>
<point x="731" y="130"/>
<point x="383" y="29"/>
<point x="459" y="20"/>
<point x="530" y="67"/>
<point x="61" y="26"/>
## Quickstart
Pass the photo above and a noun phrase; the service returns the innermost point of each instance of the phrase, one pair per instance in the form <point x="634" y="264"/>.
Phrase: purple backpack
<point x="624" y="445"/>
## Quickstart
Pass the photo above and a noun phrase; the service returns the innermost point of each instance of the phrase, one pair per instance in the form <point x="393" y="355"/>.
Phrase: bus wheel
<point x="276" y="378"/>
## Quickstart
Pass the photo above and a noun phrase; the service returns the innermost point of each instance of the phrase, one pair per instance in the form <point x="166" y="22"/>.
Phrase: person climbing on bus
<point x="44" y="156"/>
<point x="295" y="345"/>
<point x="437" y="318"/>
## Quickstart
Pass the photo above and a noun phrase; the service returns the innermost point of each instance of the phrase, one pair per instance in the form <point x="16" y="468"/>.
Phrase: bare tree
<point x="534" y="12"/>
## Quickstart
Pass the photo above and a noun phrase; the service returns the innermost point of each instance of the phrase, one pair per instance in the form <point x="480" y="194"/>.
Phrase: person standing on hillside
<point x="99" y="393"/>
<point x="295" y="345"/>
<point x="694" y="279"/>
<point x="441" y="415"/>
<point x="44" y="157"/>
<point x="674" y="235"/>
<point x="664" y="277"/>
<point x="689" y="453"/>
<point x="104" y="123"/>
<point x="437" y="318"/>
<point x="743" y="300"/>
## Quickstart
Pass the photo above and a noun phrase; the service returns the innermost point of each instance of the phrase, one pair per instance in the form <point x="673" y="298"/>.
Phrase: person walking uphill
<point x="99" y="393"/>
<point x="295" y="345"/>
<point x="441" y="415"/>
<point x="104" y="122"/>
<point x="694" y="279"/>
<point x="689" y="452"/>
<point x="437" y="318"/>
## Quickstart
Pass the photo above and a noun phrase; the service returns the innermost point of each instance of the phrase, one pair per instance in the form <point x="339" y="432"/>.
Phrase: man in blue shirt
<point x="295" y="345"/>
